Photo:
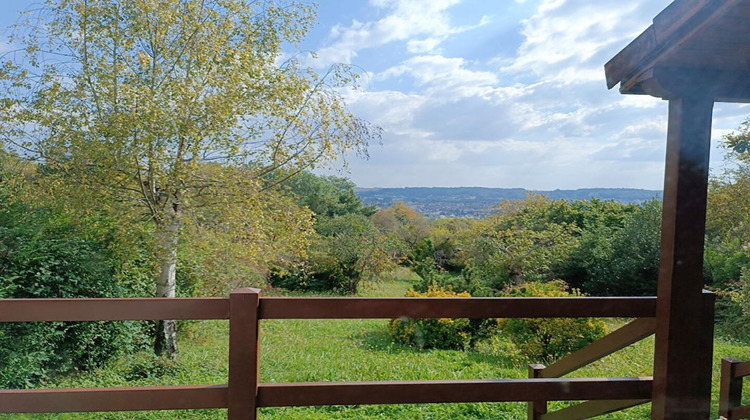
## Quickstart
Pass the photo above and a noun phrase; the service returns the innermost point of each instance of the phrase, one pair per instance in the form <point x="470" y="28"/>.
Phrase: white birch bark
<point x="166" y="330"/>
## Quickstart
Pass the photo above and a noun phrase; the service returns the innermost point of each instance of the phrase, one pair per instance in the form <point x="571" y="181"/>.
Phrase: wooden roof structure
<point x="692" y="44"/>
<point x="695" y="53"/>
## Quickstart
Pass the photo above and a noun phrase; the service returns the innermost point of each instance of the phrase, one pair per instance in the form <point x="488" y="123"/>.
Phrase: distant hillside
<point x="476" y="201"/>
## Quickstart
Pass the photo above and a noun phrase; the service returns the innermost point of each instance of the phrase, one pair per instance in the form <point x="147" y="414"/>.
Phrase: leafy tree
<point x="738" y="142"/>
<point x="449" y="237"/>
<point x="405" y="226"/>
<point x="598" y="220"/>
<point x="727" y="236"/>
<point x="347" y="251"/>
<point x="625" y="261"/>
<point x="522" y="242"/>
<point x="727" y="255"/>
<point x="327" y="196"/>
<point x="171" y="105"/>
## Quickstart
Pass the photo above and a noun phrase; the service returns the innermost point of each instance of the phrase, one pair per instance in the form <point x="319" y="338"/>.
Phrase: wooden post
<point x="244" y="352"/>
<point x="539" y="407"/>
<point x="704" y="368"/>
<point x="730" y="393"/>
<point x="682" y="369"/>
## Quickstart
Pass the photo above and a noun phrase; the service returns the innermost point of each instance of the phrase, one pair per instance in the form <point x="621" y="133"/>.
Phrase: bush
<point x="625" y="261"/>
<point x="442" y="333"/>
<point x="547" y="339"/>
<point x="45" y="254"/>
<point x="733" y="307"/>
<point x="347" y="251"/>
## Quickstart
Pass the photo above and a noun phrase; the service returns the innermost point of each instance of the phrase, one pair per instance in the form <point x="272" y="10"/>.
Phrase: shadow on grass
<point x="381" y="341"/>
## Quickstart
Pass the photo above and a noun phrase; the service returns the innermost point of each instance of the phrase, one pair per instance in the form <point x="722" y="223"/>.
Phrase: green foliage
<point x="727" y="236"/>
<point x="348" y="250"/>
<point x="623" y="261"/>
<point x="724" y="262"/>
<point x="524" y="241"/>
<point x="407" y="230"/>
<point x="177" y="111"/>
<point x="327" y="196"/>
<point x="147" y="366"/>
<point x="548" y="339"/>
<point x="44" y="253"/>
<point x="441" y="333"/>
<point x="738" y="142"/>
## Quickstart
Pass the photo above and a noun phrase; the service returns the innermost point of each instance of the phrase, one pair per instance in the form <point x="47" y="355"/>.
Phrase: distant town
<point x="478" y="202"/>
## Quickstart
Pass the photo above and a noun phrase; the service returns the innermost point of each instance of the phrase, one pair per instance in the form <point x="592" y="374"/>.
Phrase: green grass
<point x="353" y="350"/>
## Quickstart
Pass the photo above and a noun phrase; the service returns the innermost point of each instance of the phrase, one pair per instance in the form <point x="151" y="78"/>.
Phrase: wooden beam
<point x="244" y="352"/>
<point x="730" y="388"/>
<point x="370" y="308"/>
<point x="424" y="392"/>
<point x="742" y="369"/>
<point x="113" y="399"/>
<point x="618" y="339"/>
<point x="537" y="408"/>
<point x="672" y="82"/>
<point x="740" y="413"/>
<point x="112" y="309"/>
<point x="682" y="20"/>
<point x="589" y="409"/>
<point x="682" y="359"/>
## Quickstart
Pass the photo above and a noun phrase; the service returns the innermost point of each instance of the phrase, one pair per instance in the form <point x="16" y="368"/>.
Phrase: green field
<point x="353" y="350"/>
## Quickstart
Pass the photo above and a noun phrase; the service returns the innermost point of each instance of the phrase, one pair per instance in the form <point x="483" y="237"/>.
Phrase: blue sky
<point x="501" y="93"/>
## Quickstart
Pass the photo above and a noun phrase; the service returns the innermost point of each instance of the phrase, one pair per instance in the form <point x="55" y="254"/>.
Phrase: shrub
<point x="733" y="307"/>
<point x="347" y="251"/>
<point x="45" y="254"/>
<point x="442" y="333"/>
<point x="547" y="339"/>
<point x="624" y="261"/>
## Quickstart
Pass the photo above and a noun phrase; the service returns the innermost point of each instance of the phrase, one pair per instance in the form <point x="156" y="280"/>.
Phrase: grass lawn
<point x="353" y="350"/>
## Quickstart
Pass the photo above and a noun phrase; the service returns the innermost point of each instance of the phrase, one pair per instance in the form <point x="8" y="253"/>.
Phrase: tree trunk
<point x="516" y="276"/>
<point x="166" y="330"/>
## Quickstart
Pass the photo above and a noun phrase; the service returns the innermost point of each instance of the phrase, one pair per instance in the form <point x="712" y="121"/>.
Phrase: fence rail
<point x="730" y="392"/>
<point x="245" y="308"/>
<point x="618" y="339"/>
<point x="148" y="309"/>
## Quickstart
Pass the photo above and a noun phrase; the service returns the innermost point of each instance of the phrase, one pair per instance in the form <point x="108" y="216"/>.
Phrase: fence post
<point x="539" y="407"/>
<point x="730" y="391"/>
<point x="244" y="352"/>
<point x="706" y="347"/>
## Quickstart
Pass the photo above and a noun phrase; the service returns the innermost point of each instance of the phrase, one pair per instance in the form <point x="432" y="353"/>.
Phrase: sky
<point x="501" y="93"/>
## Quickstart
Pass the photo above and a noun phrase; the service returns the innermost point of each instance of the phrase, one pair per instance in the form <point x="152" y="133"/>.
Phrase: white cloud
<point x="542" y="119"/>
<point x="423" y="24"/>
<point x="392" y="110"/>
<point x="568" y="41"/>
<point x="451" y="78"/>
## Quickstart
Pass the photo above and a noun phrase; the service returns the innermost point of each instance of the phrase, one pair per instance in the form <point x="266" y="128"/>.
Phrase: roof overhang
<point x="692" y="47"/>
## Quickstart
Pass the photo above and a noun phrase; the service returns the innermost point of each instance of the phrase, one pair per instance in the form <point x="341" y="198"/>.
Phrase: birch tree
<point x="166" y="105"/>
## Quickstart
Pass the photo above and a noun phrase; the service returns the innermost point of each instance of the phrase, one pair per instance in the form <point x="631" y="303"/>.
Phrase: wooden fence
<point x="730" y="391"/>
<point x="244" y="393"/>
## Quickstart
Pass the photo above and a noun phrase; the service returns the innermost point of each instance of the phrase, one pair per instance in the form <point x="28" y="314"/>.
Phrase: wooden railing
<point x="730" y="392"/>
<point x="244" y="393"/>
<point x="618" y="339"/>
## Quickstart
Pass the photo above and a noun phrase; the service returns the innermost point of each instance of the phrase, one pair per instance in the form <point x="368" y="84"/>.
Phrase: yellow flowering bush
<point x="442" y="333"/>
<point x="547" y="339"/>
